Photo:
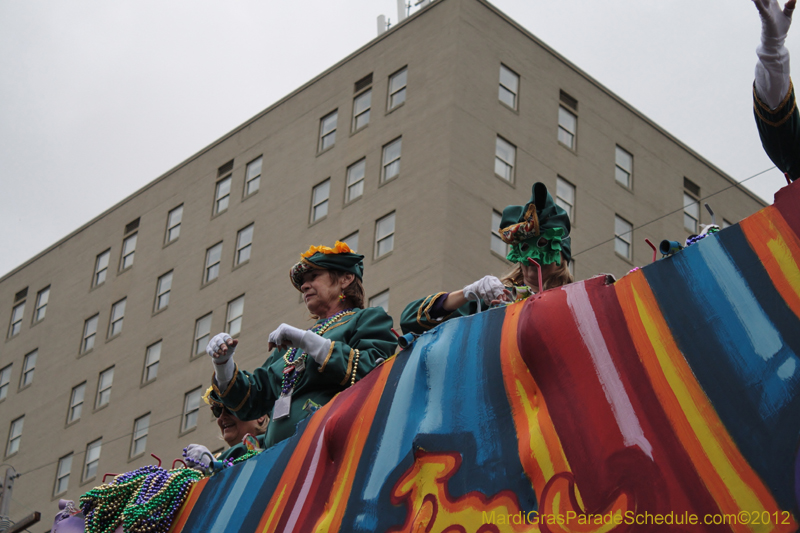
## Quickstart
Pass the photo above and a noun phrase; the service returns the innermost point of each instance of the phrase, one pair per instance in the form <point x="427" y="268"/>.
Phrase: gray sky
<point x="99" y="98"/>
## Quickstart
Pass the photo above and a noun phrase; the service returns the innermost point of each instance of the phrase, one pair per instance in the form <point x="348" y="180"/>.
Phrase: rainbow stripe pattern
<point x="668" y="396"/>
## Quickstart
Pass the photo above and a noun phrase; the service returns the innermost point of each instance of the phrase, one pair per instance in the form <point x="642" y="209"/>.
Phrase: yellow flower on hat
<point x="338" y="248"/>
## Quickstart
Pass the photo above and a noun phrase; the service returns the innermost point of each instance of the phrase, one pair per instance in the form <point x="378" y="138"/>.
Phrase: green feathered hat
<point x="340" y="257"/>
<point x="538" y="230"/>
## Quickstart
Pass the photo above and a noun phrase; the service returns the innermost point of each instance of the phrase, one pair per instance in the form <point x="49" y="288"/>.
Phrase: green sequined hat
<point x="340" y="257"/>
<point x="537" y="230"/>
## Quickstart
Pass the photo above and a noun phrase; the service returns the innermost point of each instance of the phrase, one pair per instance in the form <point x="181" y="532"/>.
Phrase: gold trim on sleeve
<point x="327" y="358"/>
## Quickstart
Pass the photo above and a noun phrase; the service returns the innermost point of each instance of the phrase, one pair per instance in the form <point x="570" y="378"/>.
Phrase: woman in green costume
<point x="308" y="367"/>
<point x="539" y="231"/>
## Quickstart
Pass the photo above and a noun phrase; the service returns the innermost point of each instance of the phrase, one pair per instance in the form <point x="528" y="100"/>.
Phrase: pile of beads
<point x="145" y="500"/>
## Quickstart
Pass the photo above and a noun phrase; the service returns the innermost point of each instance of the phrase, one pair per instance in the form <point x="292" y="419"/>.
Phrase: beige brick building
<point x="410" y="146"/>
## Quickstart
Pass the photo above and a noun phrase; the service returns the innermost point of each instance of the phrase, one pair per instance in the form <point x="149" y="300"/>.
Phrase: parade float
<point x="666" y="400"/>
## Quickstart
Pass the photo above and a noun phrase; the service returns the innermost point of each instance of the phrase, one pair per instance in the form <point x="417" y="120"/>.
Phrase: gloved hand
<point x="197" y="456"/>
<point x="221" y="348"/>
<point x="772" y="69"/>
<point x="775" y="21"/>
<point x="307" y="341"/>
<point x="488" y="289"/>
<point x="285" y="336"/>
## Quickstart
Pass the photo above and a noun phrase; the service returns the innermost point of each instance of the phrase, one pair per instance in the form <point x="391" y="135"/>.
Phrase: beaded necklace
<point x="294" y="364"/>
<point x="145" y="500"/>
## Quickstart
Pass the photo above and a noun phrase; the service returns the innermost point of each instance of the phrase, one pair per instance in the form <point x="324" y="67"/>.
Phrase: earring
<point x="342" y="297"/>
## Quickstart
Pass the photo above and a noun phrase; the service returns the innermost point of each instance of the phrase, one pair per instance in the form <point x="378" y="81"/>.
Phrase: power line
<point x="126" y="435"/>
<point x="673" y="212"/>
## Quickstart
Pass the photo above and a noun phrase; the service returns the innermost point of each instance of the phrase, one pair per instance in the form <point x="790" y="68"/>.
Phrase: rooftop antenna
<point x="403" y="10"/>
<point x="383" y="24"/>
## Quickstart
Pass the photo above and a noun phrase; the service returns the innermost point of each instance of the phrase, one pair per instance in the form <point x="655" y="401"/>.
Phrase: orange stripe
<point x="778" y="248"/>
<point x="188" y="504"/>
<point x="691" y="414"/>
<point x="277" y="503"/>
<point x="540" y="450"/>
<point x="357" y="437"/>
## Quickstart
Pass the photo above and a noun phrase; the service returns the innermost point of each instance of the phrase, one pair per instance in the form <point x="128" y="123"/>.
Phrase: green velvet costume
<point x="779" y="130"/>
<point x="364" y="337"/>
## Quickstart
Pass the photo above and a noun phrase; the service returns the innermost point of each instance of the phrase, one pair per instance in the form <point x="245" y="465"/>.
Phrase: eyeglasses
<point x="216" y="410"/>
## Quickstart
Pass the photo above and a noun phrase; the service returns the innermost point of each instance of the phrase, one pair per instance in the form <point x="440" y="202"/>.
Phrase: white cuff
<point x="316" y="346"/>
<point x="224" y="373"/>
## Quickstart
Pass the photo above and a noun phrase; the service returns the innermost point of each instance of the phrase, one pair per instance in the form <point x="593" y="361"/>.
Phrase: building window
<point x="62" y="475"/>
<point x="28" y="367"/>
<point x="151" y="360"/>
<point x="623" y="235"/>
<point x="163" y="289"/>
<point x="89" y="331"/>
<point x="565" y="196"/>
<point x="319" y="200"/>
<point x="101" y="267"/>
<point x="139" y="440"/>
<point x="14" y="436"/>
<point x="505" y="154"/>
<point x="16" y="319"/>
<point x="244" y="244"/>
<point x="355" y="180"/>
<point x="391" y="160"/>
<point x="361" y="107"/>
<point x="76" y="402"/>
<point x="380" y="300"/>
<point x="213" y="257"/>
<point x="104" y="383"/>
<point x="222" y="195"/>
<point x="117" y="316"/>
<point x="567" y="127"/>
<point x="174" y="224"/>
<point x="235" y="312"/>
<point x="191" y="408"/>
<point x="327" y="131"/>
<point x="92" y="459"/>
<point x="624" y="168"/>
<point x="497" y="244"/>
<point x="509" y="87"/>
<point x="5" y="379"/>
<point x="252" y="179"/>
<point x="202" y="334"/>
<point x="397" y="88"/>
<point x="41" y="304"/>
<point x="352" y="241"/>
<point x="691" y="213"/>
<point x="128" y="249"/>
<point x="384" y="235"/>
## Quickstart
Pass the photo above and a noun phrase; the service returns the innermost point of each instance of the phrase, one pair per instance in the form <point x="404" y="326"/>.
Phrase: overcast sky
<point x="98" y="97"/>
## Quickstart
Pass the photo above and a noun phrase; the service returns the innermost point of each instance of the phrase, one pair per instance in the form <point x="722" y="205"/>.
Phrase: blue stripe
<point x="723" y="312"/>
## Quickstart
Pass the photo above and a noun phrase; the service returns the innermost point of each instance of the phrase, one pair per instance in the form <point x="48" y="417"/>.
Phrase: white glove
<point x="221" y="348"/>
<point x="488" y="289"/>
<point x="289" y="336"/>
<point x="198" y="455"/>
<point x="772" y="70"/>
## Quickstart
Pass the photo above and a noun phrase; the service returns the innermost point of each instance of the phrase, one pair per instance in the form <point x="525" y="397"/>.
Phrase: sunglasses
<point x="216" y="410"/>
